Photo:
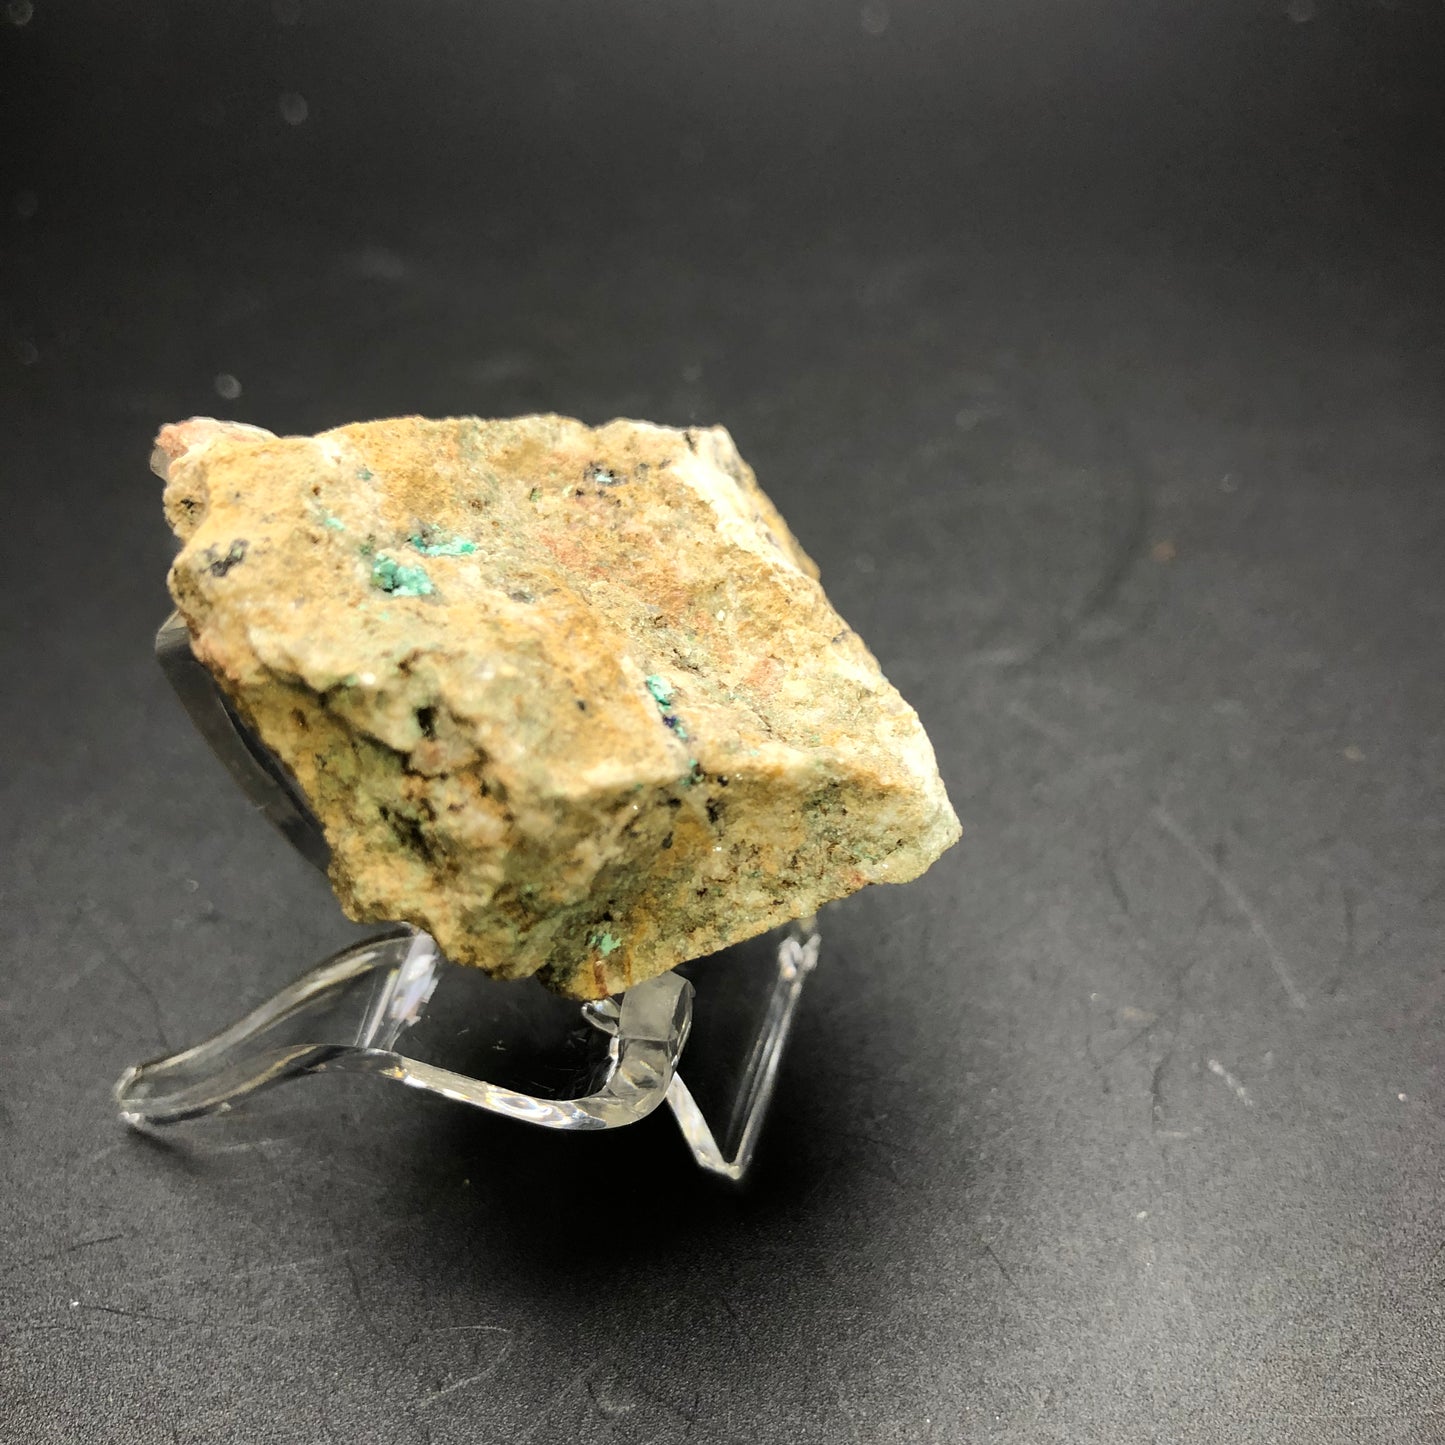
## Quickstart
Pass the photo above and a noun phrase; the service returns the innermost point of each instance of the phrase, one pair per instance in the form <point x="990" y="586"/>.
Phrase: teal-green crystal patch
<point x="662" y="694"/>
<point x="430" y="545"/>
<point x="399" y="580"/>
<point x="605" y="943"/>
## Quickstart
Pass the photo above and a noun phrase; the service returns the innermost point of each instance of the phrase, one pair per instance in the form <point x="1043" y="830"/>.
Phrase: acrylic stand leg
<point x="351" y="1012"/>
<point x="796" y="958"/>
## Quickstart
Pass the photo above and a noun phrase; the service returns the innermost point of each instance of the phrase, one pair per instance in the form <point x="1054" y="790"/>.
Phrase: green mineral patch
<point x="663" y="694"/>
<point x="605" y="943"/>
<point x="399" y="580"/>
<point x="431" y="543"/>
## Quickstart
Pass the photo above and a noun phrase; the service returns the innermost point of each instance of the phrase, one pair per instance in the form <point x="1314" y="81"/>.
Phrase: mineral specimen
<point x="571" y="700"/>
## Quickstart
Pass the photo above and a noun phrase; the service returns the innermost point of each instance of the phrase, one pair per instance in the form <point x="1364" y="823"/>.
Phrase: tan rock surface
<point x="572" y="700"/>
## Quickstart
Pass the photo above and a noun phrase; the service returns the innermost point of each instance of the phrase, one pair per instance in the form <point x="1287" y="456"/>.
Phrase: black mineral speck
<point x="218" y="564"/>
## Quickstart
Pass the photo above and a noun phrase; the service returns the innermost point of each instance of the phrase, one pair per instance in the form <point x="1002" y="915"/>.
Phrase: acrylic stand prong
<point x="352" y="1011"/>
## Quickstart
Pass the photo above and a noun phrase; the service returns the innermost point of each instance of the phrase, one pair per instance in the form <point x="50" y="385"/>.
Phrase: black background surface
<point x="1095" y="352"/>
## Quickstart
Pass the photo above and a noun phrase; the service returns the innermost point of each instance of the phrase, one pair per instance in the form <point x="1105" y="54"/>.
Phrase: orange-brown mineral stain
<point x="764" y="676"/>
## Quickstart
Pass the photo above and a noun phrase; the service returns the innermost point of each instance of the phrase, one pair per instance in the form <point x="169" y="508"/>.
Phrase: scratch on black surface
<point x="186" y="1279"/>
<point x="1140" y="1033"/>
<point x="687" y="1413"/>
<point x="1387" y="935"/>
<point x="1239" y="898"/>
<point x="1347" y="953"/>
<point x="138" y="1315"/>
<point x="1050" y="732"/>
<point x="468" y="1381"/>
<point x="1089" y="1051"/>
<point x="60" y="1253"/>
<point x="367" y="1322"/>
<point x="1128" y="551"/>
<point x="886" y="1168"/>
<point x="1116" y="887"/>
<point x="1213" y="905"/>
<point x="731" y="1311"/>
<point x="1008" y="1279"/>
<point x="1156" y="1091"/>
<point x="465" y="1329"/>
<point x="150" y="995"/>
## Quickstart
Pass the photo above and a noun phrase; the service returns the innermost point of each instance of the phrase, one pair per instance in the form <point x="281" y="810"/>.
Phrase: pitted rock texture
<point x="570" y="699"/>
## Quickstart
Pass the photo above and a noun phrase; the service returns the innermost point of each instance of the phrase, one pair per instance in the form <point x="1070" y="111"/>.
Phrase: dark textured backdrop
<point x="1095" y="351"/>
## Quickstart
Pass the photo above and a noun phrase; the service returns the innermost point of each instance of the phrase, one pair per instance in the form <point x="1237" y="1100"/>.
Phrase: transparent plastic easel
<point x="547" y="1063"/>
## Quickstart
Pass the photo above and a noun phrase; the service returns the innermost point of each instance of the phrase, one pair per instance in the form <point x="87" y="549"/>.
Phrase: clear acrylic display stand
<point x="392" y="1006"/>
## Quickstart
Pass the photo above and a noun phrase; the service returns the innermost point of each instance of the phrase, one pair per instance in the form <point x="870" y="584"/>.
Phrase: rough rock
<point x="571" y="700"/>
